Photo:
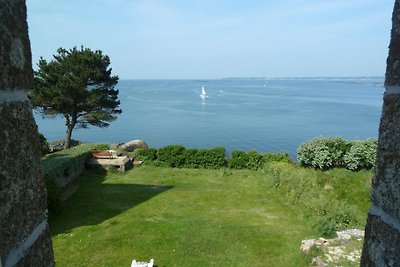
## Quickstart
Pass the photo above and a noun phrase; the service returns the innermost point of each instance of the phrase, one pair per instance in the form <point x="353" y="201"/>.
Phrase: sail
<point x="203" y="91"/>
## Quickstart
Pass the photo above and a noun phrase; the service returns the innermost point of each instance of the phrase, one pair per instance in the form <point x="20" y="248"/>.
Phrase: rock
<point x="354" y="256"/>
<point x="328" y="187"/>
<point x="132" y="145"/>
<point x="116" y="145"/>
<point x="321" y="242"/>
<point x="348" y="234"/>
<point x="334" y="251"/>
<point x="317" y="261"/>
<point x="307" y="244"/>
<point x="343" y="235"/>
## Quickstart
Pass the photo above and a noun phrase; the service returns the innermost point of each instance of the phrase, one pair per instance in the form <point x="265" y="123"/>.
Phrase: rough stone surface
<point x="386" y="181"/>
<point x="382" y="234"/>
<point x="132" y="145"/>
<point x="41" y="254"/>
<point x="25" y="239"/>
<point x="15" y="50"/>
<point x="393" y="60"/>
<point x="382" y="244"/>
<point x="22" y="192"/>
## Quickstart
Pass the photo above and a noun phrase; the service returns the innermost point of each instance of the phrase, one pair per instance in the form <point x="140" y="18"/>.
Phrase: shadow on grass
<point x="95" y="201"/>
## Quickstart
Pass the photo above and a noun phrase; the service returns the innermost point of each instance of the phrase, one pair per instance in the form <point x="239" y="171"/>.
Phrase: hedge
<point x="171" y="156"/>
<point x="177" y="156"/>
<point x="332" y="152"/>
<point x="205" y="158"/>
<point x="146" y="155"/>
<point x="181" y="157"/>
<point x="62" y="164"/>
<point x="254" y="161"/>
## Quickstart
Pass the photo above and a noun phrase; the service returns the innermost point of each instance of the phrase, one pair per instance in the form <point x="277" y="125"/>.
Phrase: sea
<point x="261" y="114"/>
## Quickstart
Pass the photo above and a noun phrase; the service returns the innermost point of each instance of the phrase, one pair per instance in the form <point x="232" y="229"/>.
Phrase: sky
<point x="207" y="39"/>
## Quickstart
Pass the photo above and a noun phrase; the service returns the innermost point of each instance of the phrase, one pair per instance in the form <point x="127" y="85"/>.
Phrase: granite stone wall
<point x="25" y="238"/>
<point x="382" y="233"/>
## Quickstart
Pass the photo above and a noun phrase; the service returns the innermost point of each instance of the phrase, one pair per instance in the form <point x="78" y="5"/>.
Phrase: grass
<point x="189" y="217"/>
<point x="334" y="200"/>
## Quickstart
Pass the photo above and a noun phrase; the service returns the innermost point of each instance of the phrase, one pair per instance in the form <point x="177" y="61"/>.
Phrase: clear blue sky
<point x="219" y="38"/>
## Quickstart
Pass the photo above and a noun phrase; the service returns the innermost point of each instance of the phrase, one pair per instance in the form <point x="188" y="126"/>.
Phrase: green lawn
<point x="185" y="217"/>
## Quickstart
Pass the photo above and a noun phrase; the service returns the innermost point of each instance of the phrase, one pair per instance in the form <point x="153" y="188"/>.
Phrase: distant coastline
<point x="261" y="78"/>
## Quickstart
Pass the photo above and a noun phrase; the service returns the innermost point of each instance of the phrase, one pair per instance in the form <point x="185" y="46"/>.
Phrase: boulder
<point x="132" y="145"/>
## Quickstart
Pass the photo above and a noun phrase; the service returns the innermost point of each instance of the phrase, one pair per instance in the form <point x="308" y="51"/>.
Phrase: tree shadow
<point x="95" y="201"/>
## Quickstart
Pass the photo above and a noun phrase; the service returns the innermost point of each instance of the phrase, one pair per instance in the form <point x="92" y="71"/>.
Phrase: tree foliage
<point x="78" y="85"/>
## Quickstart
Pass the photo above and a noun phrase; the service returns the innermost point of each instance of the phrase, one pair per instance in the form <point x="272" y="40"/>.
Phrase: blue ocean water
<point x="266" y="115"/>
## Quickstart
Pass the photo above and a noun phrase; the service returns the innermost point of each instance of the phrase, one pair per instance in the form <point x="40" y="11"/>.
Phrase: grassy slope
<point x="337" y="194"/>
<point x="183" y="217"/>
<point x="180" y="218"/>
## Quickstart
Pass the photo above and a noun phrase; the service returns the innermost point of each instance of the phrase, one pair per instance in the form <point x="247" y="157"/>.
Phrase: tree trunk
<point x="67" y="141"/>
<point x="70" y="123"/>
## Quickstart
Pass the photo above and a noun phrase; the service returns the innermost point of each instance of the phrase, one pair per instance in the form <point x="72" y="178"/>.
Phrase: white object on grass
<point x="142" y="263"/>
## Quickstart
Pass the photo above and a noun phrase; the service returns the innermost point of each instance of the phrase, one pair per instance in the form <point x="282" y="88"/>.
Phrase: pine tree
<point x="78" y="85"/>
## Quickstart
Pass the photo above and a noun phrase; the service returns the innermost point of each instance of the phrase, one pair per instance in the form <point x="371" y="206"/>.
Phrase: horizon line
<point x="264" y="77"/>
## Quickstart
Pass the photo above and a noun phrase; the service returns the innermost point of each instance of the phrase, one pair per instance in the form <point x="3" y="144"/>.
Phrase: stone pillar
<point x="25" y="238"/>
<point x="382" y="233"/>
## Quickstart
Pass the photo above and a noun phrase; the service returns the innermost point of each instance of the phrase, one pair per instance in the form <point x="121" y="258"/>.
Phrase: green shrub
<point x="279" y="157"/>
<point x="44" y="145"/>
<point x="337" y="148"/>
<point x="171" y="156"/>
<point x="53" y="192"/>
<point x="207" y="158"/>
<point x="65" y="162"/>
<point x="60" y="164"/>
<point x="337" y="217"/>
<point x="326" y="153"/>
<point x="323" y="153"/>
<point x="146" y="155"/>
<point x="102" y="147"/>
<point x="238" y="160"/>
<point x="254" y="161"/>
<point x="361" y="155"/>
<point x="180" y="157"/>
<point x="192" y="158"/>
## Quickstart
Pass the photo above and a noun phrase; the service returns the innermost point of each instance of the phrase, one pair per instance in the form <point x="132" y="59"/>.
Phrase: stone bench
<point x="122" y="162"/>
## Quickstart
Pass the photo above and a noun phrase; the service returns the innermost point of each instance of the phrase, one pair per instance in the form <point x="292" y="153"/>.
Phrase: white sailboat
<point x="203" y="94"/>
